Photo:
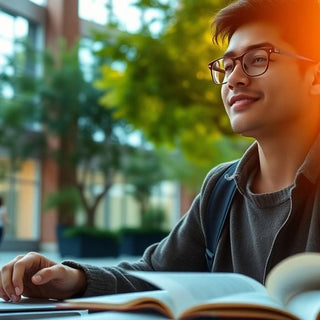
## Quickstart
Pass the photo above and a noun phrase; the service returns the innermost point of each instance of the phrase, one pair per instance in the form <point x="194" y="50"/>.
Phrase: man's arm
<point x="34" y="275"/>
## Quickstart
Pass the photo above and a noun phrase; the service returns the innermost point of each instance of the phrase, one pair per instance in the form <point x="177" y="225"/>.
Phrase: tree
<point x="143" y="171"/>
<point x="73" y="129"/>
<point x="163" y="86"/>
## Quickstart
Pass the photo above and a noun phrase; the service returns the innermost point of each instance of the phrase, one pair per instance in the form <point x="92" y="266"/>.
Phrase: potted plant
<point x="81" y="241"/>
<point x="143" y="171"/>
<point x="152" y="230"/>
<point x="89" y="242"/>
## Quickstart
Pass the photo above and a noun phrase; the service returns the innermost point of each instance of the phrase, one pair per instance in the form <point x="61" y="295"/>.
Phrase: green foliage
<point x="163" y="85"/>
<point x="68" y="198"/>
<point x="91" y="231"/>
<point x="17" y="115"/>
<point x="4" y="169"/>
<point x="154" y="218"/>
<point x="143" y="231"/>
<point x="143" y="169"/>
<point x="64" y="105"/>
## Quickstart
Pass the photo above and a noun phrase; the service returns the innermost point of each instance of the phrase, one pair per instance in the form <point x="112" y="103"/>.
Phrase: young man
<point x="270" y="85"/>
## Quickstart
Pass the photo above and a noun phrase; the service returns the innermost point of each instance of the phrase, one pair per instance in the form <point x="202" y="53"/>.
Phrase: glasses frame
<point x="269" y="50"/>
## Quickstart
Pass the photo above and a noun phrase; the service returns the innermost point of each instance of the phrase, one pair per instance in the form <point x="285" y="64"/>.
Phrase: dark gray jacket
<point x="262" y="230"/>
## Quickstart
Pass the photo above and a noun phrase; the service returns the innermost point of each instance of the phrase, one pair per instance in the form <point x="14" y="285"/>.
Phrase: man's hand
<point x="34" y="275"/>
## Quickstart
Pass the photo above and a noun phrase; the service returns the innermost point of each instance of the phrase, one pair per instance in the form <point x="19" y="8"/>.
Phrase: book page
<point x="306" y="305"/>
<point x="294" y="275"/>
<point x="191" y="294"/>
<point x="253" y="305"/>
<point x="187" y="289"/>
<point x="156" y="299"/>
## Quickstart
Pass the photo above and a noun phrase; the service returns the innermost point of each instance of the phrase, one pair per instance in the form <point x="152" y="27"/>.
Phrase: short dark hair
<point x="297" y="20"/>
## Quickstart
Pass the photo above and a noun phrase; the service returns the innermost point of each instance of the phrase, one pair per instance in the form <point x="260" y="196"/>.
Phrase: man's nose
<point x="237" y="76"/>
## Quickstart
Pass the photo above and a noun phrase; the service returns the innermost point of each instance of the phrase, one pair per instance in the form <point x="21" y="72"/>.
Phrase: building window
<point x="20" y="188"/>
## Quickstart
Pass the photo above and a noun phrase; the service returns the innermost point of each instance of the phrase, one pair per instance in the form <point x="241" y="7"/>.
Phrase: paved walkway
<point x="7" y="256"/>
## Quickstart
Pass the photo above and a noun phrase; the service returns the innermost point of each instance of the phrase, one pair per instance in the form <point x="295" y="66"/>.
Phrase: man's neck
<point x="280" y="160"/>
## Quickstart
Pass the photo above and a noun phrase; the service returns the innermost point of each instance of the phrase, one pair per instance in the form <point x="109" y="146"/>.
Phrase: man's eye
<point x="259" y="60"/>
<point x="228" y="66"/>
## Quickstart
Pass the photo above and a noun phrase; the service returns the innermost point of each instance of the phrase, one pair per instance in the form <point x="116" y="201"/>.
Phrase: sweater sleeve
<point x="182" y="250"/>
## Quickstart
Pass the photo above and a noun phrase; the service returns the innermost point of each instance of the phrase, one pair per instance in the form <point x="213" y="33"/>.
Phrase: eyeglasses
<point x="254" y="63"/>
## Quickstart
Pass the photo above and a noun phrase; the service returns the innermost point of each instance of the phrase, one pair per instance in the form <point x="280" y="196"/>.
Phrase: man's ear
<point x="315" y="84"/>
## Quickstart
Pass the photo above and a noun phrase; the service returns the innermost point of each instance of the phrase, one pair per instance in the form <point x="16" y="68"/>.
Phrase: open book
<point x="292" y="292"/>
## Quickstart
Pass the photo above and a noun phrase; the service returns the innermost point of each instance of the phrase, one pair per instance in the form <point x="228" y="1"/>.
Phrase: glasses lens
<point x="255" y="62"/>
<point x="218" y="71"/>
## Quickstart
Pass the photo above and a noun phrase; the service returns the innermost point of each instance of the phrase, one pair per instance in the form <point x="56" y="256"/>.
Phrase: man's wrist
<point x="80" y="276"/>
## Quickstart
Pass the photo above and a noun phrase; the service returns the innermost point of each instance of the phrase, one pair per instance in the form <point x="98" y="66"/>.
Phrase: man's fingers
<point x="3" y="294"/>
<point x="18" y="274"/>
<point x="7" y="288"/>
<point x="34" y="275"/>
<point x="22" y="272"/>
<point x="54" y="273"/>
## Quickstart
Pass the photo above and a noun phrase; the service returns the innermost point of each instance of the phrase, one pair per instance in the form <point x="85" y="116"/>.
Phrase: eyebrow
<point x="254" y="46"/>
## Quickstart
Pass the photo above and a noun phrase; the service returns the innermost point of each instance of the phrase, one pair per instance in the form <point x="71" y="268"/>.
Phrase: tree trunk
<point x="91" y="209"/>
<point x="67" y="177"/>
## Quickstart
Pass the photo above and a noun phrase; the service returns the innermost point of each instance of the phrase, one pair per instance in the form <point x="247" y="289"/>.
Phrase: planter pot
<point x="86" y="246"/>
<point x="134" y="243"/>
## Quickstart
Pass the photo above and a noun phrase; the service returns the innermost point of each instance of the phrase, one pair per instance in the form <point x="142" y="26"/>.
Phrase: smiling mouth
<point x="242" y="101"/>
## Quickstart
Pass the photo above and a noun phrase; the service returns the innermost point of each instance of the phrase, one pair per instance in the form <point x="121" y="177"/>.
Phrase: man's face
<point x="275" y="101"/>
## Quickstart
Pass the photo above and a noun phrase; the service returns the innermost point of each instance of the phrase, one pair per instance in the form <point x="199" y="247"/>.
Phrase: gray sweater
<point x="262" y="230"/>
